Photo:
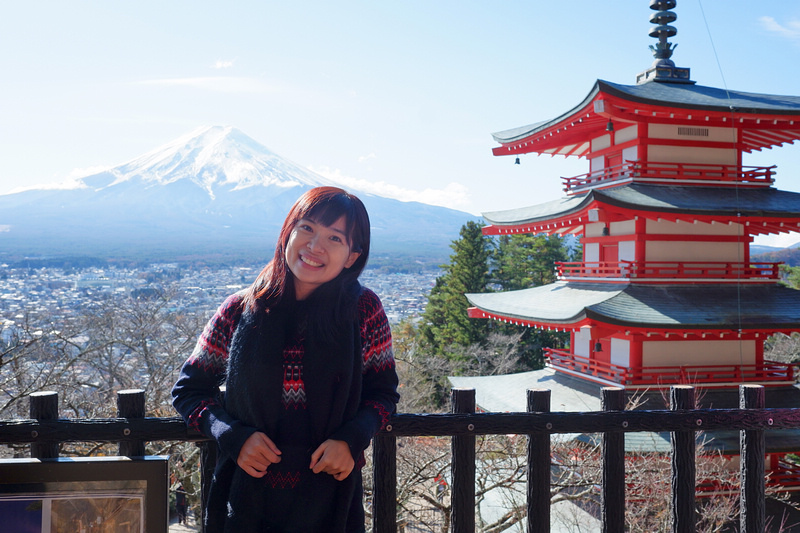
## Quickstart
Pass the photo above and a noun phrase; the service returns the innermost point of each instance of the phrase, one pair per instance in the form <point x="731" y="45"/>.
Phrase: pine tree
<point x="445" y="322"/>
<point x="525" y="260"/>
<point x="521" y="262"/>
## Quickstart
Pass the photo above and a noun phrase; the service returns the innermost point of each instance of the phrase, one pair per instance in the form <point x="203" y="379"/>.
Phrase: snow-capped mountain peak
<point x="214" y="192"/>
<point x="212" y="157"/>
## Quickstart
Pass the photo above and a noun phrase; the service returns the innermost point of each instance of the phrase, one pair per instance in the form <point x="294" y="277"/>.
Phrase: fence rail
<point x="771" y="373"/>
<point x="668" y="270"/>
<point x="44" y="430"/>
<point x="656" y="172"/>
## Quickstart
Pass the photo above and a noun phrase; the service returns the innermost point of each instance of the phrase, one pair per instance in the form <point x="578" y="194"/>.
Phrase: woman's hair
<point x="323" y="205"/>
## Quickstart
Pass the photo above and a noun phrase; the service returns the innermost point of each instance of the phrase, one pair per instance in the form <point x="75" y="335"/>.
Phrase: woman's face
<point x="316" y="254"/>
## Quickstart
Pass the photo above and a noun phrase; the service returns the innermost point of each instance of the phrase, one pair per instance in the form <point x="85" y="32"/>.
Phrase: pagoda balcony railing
<point x="697" y="174"/>
<point x="766" y="373"/>
<point x="668" y="270"/>
<point x="45" y="430"/>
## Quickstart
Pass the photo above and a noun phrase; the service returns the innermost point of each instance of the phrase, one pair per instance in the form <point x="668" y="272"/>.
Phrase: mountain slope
<point x="214" y="192"/>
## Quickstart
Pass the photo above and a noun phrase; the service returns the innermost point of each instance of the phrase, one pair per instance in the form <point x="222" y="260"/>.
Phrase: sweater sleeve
<point x="196" y="394"/>
<point x="379" y="380"/>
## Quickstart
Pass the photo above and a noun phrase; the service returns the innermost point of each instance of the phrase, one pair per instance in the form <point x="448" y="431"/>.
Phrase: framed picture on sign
<point x="84" y="495"/>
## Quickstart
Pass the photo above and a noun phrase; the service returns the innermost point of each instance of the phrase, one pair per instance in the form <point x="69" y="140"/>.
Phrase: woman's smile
<point x="307" y="260"/>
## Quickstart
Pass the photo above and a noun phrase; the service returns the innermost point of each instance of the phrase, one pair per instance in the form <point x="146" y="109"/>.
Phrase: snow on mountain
<point x="213" y="191"/>
<point x="214" y="156"/>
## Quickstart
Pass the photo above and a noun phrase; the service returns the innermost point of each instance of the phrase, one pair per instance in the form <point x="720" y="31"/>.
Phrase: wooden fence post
<point x="538" y="467"/>
<point x="208" y="464"/>
<point x="384" y="483"/>
<point x="752" y="446"/>
<point x="463" y="466"/>
<point x="613" y="495"/>
<point x="684" y="468"/>
<point x="130" y="404"/>
<point x="44" y="406"/>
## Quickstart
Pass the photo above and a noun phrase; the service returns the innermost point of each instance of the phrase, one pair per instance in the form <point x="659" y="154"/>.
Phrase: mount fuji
<point x="214" y="193"/>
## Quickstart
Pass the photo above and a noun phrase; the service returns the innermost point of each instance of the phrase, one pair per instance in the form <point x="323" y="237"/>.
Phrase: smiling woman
<point x="317" y="254"/>
<point x="305" y="354"/>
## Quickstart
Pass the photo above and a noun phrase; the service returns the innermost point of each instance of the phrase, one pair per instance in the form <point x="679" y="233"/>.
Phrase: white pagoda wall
<point x="621" y="136"/>
<point x="698" y="352"/>
<point x="581" y="343"/>
<point x="691" y="154"/>
<point x="666" y="153"/>
<point x="624" y="135"/>
<point x="702" y="133"/>
<point x="696" y="245"/>
<point x="620" y="352"/>
<point x="690" y="249"/>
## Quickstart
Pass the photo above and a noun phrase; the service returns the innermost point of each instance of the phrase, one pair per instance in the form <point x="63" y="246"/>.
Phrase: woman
<point x="305" y="354"/>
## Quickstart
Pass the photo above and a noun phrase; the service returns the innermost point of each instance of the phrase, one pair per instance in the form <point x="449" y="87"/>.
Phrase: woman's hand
<point x="333" y="457"/>
<point x="257" y="453"/>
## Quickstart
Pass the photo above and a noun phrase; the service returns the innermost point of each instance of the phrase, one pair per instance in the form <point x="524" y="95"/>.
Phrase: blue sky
<point x="399" y="98"/>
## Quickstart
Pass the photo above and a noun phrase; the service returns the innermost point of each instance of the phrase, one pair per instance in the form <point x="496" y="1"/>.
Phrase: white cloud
<point x="71" y="181"/>
<point x="220" y="64"/>
<point x="222" y="84"/>
<point x="791" y="30"/>
<point x="453" y="195"/>
<point x="367" y="157"/>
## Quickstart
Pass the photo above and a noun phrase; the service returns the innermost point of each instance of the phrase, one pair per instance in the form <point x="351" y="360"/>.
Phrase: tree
<point x="525" y="260"/>
<point x="791" y="275"/>
<point x="424" y="387"/>
<point x="520" y="262"/>
<point x="780" y="347"/>
<point x="88" y="354"/>
<point x="445" y="322"/>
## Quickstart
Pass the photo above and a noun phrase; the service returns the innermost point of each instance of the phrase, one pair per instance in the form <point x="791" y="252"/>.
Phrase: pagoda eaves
<point x="762" y="120"/>
<point x="719" y="310"/>
<point x="761" y="210"/>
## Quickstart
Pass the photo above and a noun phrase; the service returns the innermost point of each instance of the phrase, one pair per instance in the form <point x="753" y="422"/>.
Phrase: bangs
<point x="329" y="210"/>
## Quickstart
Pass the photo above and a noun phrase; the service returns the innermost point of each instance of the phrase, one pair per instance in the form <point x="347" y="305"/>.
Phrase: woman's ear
<point x="352" y="259"/>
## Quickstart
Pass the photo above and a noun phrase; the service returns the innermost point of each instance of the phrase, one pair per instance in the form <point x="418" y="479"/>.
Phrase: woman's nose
<point x="314" y="243"/>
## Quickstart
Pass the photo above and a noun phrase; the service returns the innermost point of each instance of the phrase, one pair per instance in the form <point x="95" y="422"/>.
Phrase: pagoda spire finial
<point x="663" y="69"/>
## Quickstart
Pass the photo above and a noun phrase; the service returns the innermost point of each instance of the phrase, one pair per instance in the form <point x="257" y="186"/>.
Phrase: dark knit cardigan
<point x="350" y="387"/>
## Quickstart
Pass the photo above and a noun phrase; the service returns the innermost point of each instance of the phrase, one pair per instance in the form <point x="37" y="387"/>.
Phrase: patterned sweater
<point x="196" y="392"/>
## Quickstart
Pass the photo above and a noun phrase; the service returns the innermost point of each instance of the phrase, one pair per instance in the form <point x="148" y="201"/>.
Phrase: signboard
<point x="84" y="495"/>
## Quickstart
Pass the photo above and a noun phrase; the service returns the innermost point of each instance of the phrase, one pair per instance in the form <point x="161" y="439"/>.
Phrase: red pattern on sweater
<point x="211" y="351"/>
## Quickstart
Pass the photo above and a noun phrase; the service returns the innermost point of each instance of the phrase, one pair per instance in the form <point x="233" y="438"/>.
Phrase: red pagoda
<point x="667" y="292"/>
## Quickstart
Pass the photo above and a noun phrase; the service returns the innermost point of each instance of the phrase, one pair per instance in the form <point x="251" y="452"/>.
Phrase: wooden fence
<point x="45" y="430"/>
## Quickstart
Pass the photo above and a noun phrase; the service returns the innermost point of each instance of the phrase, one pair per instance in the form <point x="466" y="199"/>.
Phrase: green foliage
<point x="791" y="275"/>
<point x="445" y="321"/>
<point x="525" y="260"/>
<point x="521" y="262"/>
<point x="480" y="264"/>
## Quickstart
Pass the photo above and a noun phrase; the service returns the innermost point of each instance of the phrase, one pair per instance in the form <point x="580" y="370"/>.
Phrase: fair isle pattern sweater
<point x="196" y="398"/>
<point x="210" y="355"/>
<point x="205" y="370"/>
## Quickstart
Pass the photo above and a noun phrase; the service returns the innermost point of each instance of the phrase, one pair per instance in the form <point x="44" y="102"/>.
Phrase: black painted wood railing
<point x="44" y="430"/>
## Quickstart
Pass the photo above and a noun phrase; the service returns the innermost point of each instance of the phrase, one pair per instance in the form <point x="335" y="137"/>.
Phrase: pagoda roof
<point x="765" y="120"/>
<point x="704" y="98"/>
<point x="712" y="203"/>
<point x="648" y="307"/>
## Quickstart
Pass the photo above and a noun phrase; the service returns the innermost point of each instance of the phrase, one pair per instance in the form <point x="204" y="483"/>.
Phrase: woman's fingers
<point x="257" y="453"/>
<point x="333" y="457"/>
